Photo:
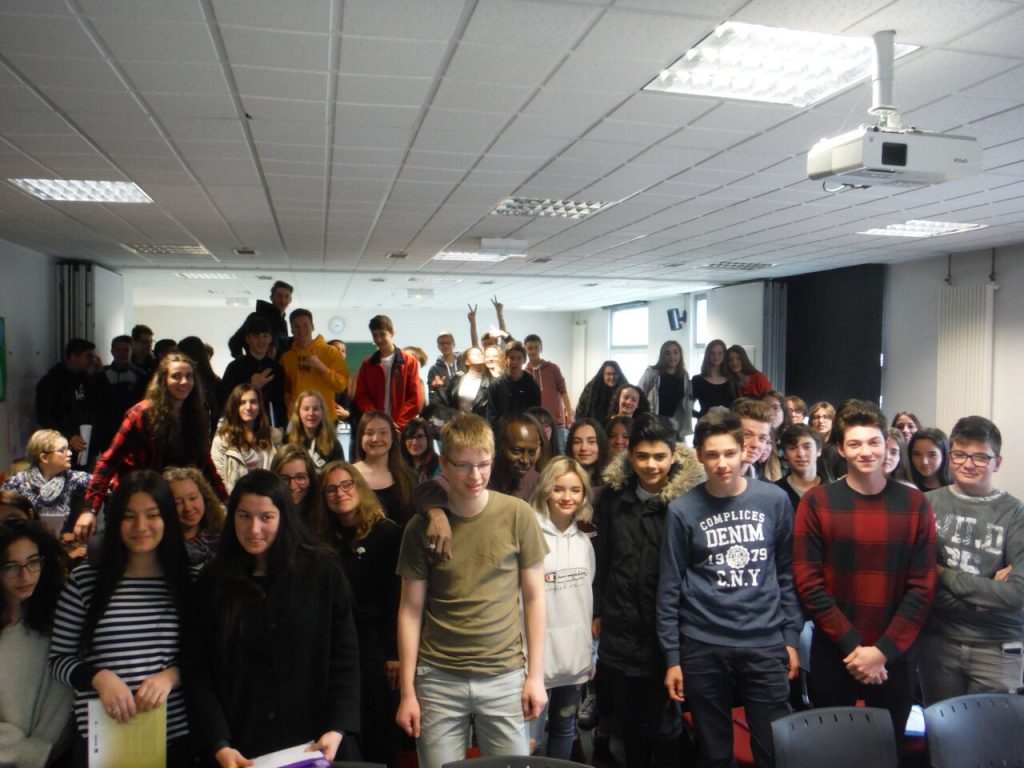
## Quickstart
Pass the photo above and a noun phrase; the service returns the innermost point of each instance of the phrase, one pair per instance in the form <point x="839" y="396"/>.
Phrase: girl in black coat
<point x="273" y="658"/>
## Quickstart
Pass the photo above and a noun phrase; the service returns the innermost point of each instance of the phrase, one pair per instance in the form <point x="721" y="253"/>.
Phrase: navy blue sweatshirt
<point x="726" y="570"/>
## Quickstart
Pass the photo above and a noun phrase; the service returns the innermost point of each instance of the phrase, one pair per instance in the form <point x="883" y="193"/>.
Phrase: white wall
<point x="736" y="315"/>
<point x="110" y="311"/>
<point x="412" y="327"/>
<point x="28" y="291"/>
<point x="910" y="339"/>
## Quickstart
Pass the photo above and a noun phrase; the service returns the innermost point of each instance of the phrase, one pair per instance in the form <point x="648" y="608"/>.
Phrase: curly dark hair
<point x="37" y="611"/>
<point x="185" y="440"/>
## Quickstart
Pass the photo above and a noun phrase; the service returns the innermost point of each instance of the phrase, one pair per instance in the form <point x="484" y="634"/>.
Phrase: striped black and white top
<point x="138" y="636"/>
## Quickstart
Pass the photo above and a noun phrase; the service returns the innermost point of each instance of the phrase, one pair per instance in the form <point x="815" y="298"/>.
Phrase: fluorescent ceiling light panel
<point x="547" y="207"/>
<point x="205" y="275"/>
<point x="770" y="64"/>
<point x="483" y="256"/>
<point x="922" y="228"/>
<point x="434" y="279"/>
<point x="83" y="191"/>
<point x="168" y="250"/>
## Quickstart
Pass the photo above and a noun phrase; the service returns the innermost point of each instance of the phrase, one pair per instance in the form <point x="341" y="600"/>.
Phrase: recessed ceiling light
<point x="541" y="260"/>
<point x="398" y="255"/>
<point x="83" y="191"/>
<point x="205" y="275"/>
<point x="535" y="206"/>
<point x="377" y="279"/>
<point x="770" y="64"/>
<point x="245" y="252"/>
<point x="168" y="250"/>
<point x="493" y="258"/>
<point x="922" y="228"/>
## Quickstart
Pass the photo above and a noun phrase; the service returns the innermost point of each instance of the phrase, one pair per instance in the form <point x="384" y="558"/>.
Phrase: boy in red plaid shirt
<point x="864" y="565"/>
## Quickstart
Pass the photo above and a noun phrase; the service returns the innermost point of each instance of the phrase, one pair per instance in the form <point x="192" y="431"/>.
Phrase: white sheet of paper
<point x="286" y="756"/>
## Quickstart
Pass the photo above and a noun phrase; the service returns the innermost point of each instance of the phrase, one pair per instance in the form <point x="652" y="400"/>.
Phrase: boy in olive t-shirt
<point x="459" y="637"/>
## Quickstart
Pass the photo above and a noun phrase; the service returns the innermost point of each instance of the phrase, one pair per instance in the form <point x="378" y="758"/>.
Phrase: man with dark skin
<point x="518" y="456"/>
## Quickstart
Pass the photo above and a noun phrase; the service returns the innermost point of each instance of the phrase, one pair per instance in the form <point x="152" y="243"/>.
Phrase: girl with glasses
<point x="418" y="450"/>
<point x="35" y="709"/>
<point x="368" y="543"/>
<point x="56" y="491"/>
<point x="293" y="464"/>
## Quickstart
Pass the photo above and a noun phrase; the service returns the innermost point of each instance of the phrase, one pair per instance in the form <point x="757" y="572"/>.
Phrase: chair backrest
<point x="837" y="737"/>
<point x="980" y="729"/>
<point x="514" y="761"/>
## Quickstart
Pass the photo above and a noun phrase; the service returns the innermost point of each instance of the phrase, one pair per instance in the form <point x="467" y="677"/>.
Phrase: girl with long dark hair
<point x="596" y="398"/>
<point x="244" y="439"/>
<point x="668" y="388"/>
<point x="169" y="428"/>
<point x="35" y="709"/>
<point x="418" y="450"/>
<point x="750" y="382"/>
<point x="118" y="627"/>
<point x="713" y="386"/>
<point x="929" y="459"/>
<point x="588" y="444"/>
<point x="272" y="658"/>
<point x="293" y="464"/>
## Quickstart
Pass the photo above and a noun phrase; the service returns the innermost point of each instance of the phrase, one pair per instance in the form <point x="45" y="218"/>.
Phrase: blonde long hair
<point x="325" y="433"/>
<point x="368" y="512"/>
<point x="558" y="466"/>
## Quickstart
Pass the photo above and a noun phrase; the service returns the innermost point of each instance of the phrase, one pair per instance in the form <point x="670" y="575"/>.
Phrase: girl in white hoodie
<point x="563" y="498"/>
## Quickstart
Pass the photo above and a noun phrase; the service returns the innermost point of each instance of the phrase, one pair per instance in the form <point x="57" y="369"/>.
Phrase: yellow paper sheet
<point x="139" y="743"/>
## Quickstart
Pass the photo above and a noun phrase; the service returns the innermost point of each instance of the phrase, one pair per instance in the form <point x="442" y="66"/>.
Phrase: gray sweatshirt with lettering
<point x="726" y="570"/>
<point x="975" y="538"/>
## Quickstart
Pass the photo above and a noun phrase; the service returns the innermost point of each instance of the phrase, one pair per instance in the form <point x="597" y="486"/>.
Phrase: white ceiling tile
<point x="452" y="141"/>
<point x="346" y="115"/>
<point x="744" y="116"/>
<point x="202" y="106"/>
<point x="193" y="128"/>
<point x="280" y="84"/>
<point x="632" y="133"/>
<point x="595" y="73"/>
<point x="706" y="138"/>
<point x="501" y="64"/>
<point x="372" y="137"/>
<point x="371" y="89"/>
<point x="50" y="71"/>
<point x="422" y="20"/>
<point x="441" y="119"/>
<point x="624" y="33"/>
<point x="927" y="24"/>
<point x="489" y="97"/>
<point x="528" y="24"/>
<point x="268" y="48"/>
<point x="30" y="35"/>
<point x="285" y="109"/>
<point x="294" y="15"/>
<point x="391" y="57"/>
<point x="75" y="101"/>
<point x="283" y="132"/>
<point x="662" y="109"/>
<point x="156" y="40"/>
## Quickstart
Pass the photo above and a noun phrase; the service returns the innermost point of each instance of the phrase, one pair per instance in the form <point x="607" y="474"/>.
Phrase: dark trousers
<point x="651" y="725"/>
<point x="832" y="686"/>
<point x="713" y="677"/>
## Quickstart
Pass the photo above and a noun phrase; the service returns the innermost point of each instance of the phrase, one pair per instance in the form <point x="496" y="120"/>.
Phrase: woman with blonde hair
<point x="562" y="499"/>
<point x="200" y="512"/>
<point x="244" y="439"/>
<point x="312" y="426"/>
<point x="55" y="490"/>
<point x="367" y="543"/>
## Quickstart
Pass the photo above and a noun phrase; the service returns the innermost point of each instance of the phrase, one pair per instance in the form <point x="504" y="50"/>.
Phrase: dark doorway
<point x="834" y="334"/>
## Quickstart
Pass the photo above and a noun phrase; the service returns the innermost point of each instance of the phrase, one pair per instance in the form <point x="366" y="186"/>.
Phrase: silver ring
<point x="433" y="546"/>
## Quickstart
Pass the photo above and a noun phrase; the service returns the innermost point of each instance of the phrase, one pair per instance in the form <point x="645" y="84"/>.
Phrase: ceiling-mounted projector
<point x="872" y="156"/>
<point x="886" y="154"/>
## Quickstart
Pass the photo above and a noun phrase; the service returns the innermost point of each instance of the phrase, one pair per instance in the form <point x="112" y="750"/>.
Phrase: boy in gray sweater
<point x="728" y="616"/>
<point x="972" y="640"/>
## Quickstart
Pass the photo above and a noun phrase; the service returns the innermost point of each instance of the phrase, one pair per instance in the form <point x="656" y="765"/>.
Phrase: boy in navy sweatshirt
<point x="728" y="617"/>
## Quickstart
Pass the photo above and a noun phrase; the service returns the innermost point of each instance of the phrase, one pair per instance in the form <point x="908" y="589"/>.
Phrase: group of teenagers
<point x="467" y="578"/>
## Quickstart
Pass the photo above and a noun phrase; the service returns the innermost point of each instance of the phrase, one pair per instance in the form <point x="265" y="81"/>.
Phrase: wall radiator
<point x="964" y="386"/>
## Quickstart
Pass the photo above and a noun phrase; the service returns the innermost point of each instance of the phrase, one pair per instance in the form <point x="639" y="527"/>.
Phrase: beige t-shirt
<point x="471" y="615"/>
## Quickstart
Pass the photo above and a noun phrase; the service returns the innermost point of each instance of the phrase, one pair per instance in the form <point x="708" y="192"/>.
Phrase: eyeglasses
<point x="335" y="490"/>
<point x="415" y="438"/>
<point x="65" y="449"/>
<point x="977" y="459"/>
<point x="464" y="467"/>
<point x="12" y="570"/>
<point x="301" y="479"/>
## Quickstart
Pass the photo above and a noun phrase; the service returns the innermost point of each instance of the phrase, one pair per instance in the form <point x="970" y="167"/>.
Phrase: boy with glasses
<point x="460" y="640"/>
<point x="972" y="640"/>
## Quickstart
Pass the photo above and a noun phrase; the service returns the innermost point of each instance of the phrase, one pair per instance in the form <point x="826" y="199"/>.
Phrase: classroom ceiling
<point x="324" y="135"/>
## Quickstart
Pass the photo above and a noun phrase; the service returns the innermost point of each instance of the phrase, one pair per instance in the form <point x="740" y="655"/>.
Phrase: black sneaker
<point x="587" y="715"/>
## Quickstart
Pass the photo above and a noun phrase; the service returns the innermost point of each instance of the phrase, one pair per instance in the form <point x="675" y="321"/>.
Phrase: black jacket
<point x="511" y="398"/>
<point x="628" y="549"/>
<point x="241" y="370"/>
<point x="292" y="672"/>
<point x="278" y="330"/>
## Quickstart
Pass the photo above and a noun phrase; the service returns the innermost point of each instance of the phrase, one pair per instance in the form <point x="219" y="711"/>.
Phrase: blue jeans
<point x="561" y="711"/>
<point x="447" y="702"/>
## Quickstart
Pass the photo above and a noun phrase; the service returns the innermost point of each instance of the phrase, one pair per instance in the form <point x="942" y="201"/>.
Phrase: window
<point x="701" y="334"/>
<point x="629" y="334"/>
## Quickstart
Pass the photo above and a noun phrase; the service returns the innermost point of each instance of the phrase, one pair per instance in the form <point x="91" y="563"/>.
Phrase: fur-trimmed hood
<point x="686" y="472"/>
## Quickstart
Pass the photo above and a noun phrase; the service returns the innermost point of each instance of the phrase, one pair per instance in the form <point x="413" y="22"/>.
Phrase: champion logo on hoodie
<point x="566" y="575"/>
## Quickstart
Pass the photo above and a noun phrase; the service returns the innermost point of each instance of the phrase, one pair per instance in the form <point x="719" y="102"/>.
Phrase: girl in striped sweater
<point x="118" y="625"/>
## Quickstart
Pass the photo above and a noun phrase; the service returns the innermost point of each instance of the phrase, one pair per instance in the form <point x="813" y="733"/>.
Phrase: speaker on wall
<point x="676" y="319"/>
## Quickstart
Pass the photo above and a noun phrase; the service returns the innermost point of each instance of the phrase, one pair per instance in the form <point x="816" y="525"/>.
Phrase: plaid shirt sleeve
<point x="128" y="449"/>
